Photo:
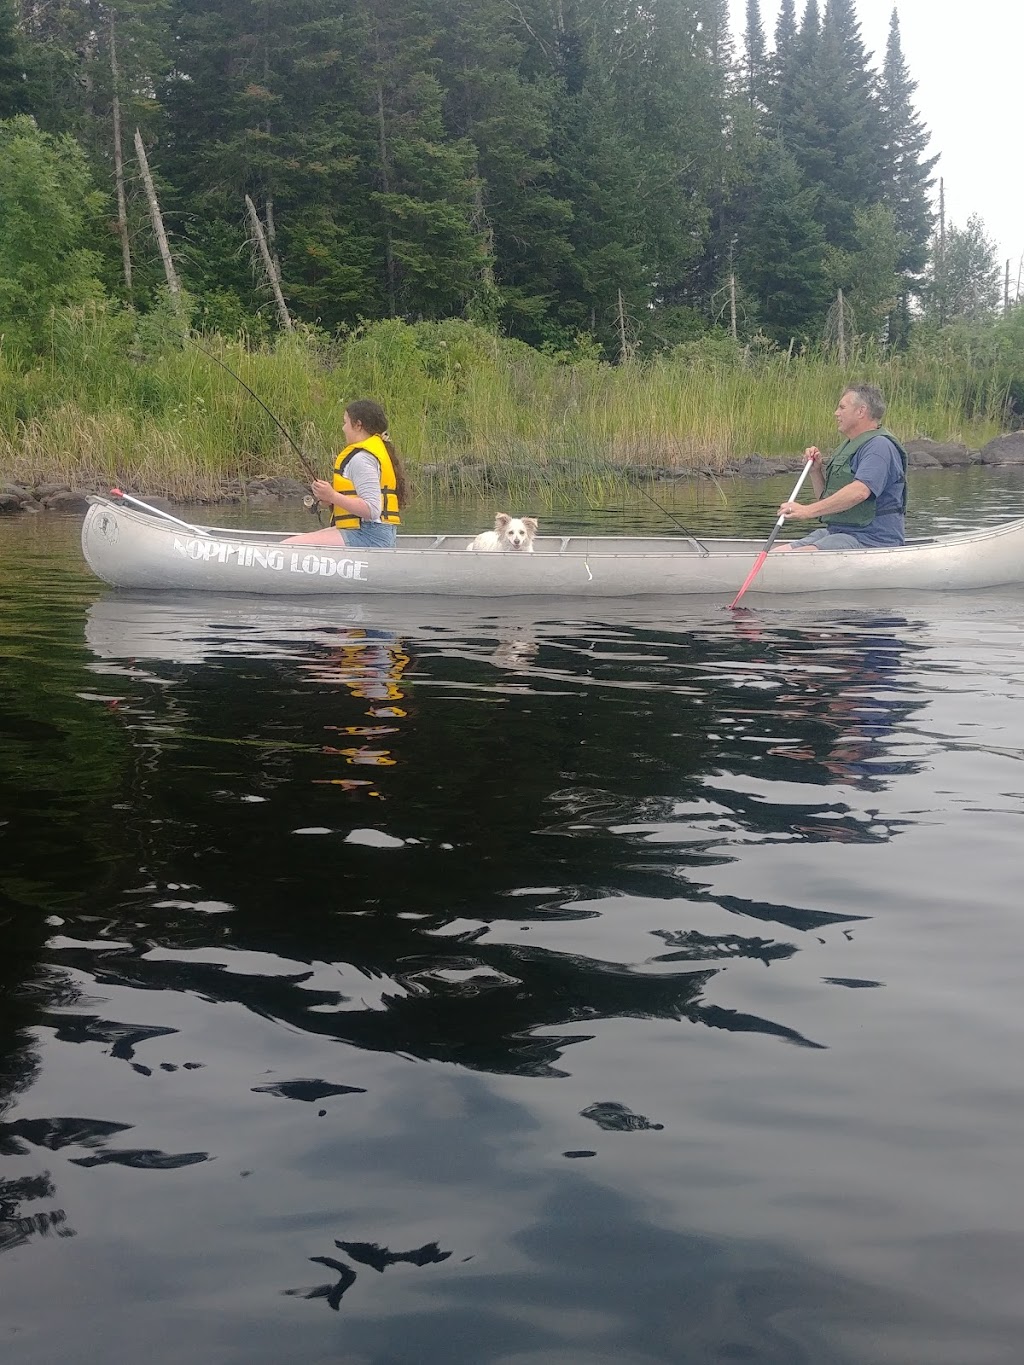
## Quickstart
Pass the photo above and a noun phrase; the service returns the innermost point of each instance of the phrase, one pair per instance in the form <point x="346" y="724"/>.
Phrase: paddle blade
<point x="749" y="578"/>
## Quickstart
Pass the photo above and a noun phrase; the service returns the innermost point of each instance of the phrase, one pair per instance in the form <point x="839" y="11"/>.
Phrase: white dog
<point x="510" y="533"/>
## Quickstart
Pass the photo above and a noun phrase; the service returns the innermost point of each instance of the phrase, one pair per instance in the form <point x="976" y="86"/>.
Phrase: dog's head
<point x="515" y="533"/>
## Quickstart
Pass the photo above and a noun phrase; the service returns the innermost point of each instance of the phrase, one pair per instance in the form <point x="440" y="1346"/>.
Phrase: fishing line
<point x="307" y="467"/>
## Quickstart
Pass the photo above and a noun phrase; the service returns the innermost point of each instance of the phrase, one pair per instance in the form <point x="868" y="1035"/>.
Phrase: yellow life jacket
<point x="374" y="446"/>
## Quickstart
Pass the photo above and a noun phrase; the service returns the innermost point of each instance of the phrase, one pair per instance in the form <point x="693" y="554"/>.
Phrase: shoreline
<point x="471" y="476"/>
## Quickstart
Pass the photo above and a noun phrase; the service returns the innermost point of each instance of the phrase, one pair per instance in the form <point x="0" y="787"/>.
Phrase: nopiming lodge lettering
<point x="264" y="557"/>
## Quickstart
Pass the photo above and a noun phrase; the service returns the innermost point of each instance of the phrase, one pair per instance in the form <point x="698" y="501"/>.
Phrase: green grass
<point x="119" y="398"/>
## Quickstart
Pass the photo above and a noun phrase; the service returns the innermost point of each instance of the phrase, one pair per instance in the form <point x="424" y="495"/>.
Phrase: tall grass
<point x="122" y="398"/>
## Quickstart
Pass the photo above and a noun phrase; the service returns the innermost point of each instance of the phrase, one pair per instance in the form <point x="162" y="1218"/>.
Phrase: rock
<point x="45" y="490"/>
<point x="948" y="454"/>
<point x="66" y="500"/>
<point x="757" y="466"/>
<point x="291" y="488"/>
<point x="1007" y="449"/>
<point x="269" y="486"/>
<point x="10" y="502"/>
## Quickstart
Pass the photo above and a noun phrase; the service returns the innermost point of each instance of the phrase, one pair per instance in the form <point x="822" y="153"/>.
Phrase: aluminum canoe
<point x="134" y="549"/>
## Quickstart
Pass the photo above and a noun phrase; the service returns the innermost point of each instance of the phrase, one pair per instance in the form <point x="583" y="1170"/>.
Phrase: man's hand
<point x="813" y="454"/>
<point x="795" y="511"/>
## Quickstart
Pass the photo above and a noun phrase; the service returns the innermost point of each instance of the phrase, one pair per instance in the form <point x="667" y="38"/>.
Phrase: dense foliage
<point x="560" y="169"/>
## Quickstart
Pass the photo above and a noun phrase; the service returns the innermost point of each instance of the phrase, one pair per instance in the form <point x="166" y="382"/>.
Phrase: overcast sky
<point x="968" y="61"/>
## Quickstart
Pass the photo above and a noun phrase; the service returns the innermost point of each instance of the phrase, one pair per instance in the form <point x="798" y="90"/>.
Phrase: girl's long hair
<point x="373" y="420"/>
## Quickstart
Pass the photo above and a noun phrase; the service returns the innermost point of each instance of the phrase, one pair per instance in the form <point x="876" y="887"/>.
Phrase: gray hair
<point x="869" y="396"/>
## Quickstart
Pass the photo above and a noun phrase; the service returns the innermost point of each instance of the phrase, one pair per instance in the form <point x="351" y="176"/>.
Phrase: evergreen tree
<point x="13" y="85"/>
<point x="835" y="130"/>
<point x="639" y="148"/>
<point x="755" y="73"/>
<point x="781" y="66"/>
<point x="781" y="248"/>
<point x="866" y="271"/>
<point x="908" y="176"/>
<point x="421" y="185"/>
<point x="506" y="115"/>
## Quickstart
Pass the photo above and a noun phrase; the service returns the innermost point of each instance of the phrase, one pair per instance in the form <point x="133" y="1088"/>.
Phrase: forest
<point x="589" y="186"/>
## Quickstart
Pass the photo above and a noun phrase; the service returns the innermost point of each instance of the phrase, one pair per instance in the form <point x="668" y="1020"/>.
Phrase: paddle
<point x="771" y="539"/>
<point x="196" y="530"/>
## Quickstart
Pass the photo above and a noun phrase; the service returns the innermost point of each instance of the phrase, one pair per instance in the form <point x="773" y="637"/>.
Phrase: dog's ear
<point x="531" y="524"/>
<point x="501" y="521"/>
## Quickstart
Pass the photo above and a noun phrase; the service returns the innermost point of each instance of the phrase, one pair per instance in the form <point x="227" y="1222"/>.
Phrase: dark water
<point x="528" y="984"/>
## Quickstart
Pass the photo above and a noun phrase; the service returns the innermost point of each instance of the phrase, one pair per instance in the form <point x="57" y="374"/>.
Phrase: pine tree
<point x="421" y="184"/>
<point x="781" y="248"/>
<point x="506" y="114"/>
<point x="13" y="86"/>
<point x="781" y="66"/>
<point x="835" y="130"/>
<point x="754" y="62"/>
<point x="908" y="176"/>
<point x="866" y="272"/>
<point x="639" y="149"/>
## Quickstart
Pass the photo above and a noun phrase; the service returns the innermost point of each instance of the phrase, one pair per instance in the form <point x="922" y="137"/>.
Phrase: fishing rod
<point x="704" y="551"/>
<point x="309" y="501"/>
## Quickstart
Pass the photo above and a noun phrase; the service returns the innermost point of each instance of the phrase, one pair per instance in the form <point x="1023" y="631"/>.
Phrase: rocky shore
<point x="61" y="497"/>
<point x="471" y="473"/>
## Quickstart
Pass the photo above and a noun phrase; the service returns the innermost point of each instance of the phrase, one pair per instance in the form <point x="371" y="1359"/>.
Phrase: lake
<point x="526" y="983"/>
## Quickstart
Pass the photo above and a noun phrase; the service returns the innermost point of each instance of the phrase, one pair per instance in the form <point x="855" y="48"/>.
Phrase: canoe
<point x="129" y="548"/>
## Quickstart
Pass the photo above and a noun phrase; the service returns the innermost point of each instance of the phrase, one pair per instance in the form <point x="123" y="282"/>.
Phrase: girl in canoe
<point x="368" y="486"/>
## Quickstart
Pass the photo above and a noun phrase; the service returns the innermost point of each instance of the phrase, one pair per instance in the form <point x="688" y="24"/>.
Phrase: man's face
<point x="849" y="413"/>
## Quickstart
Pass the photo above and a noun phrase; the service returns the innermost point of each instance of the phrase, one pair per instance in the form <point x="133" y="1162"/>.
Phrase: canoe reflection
<point x="552" y="767"/>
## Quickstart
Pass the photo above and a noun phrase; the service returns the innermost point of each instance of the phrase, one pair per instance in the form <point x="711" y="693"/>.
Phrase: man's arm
<point x="846" y="497"/>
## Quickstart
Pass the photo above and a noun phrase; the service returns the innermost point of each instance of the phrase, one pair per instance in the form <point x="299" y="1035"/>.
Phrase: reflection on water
<point x="419" y="981"/>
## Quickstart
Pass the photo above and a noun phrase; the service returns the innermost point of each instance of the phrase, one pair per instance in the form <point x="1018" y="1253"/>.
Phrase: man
<point x="861" y="492"/>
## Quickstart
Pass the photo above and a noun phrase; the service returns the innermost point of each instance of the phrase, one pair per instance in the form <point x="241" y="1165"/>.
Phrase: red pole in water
<point x="771" y="539"/>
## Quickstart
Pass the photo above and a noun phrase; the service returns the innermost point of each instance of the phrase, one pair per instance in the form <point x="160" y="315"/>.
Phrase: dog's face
<point x="515" y="533"/>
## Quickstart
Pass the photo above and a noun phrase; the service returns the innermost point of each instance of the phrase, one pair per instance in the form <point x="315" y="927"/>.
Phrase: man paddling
<point x="861" y="491"/>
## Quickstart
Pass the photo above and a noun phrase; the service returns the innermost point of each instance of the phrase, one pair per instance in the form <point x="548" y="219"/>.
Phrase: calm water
<point x="414" y="982"/>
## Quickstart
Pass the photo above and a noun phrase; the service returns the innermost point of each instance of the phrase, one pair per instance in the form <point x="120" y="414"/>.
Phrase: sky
<point x="968" y="61"/>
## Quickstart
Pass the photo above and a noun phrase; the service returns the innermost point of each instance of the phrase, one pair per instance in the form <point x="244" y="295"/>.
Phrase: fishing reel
<point x="312" y="505"/>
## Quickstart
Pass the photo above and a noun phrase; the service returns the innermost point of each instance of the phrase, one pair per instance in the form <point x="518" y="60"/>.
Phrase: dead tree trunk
<point x="268" y="214"/>
<point x="173" y="283"/>
<point x="940" y="259"/>
<point x="268" y="265"/>
<point x="122" y="204"/>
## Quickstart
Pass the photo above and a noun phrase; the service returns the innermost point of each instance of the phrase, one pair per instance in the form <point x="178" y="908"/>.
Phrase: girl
<point x="368" y="486"/>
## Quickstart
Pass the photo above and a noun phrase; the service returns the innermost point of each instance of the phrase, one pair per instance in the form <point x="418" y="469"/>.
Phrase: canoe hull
<point x="131" y="549"/>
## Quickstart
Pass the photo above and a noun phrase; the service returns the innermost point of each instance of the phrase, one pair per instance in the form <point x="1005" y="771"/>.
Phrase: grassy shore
<point x="121" y="399"/>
